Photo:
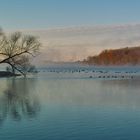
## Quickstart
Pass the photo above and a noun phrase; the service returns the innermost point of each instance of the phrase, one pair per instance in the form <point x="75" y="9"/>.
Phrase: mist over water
<point x="77" y="43"/>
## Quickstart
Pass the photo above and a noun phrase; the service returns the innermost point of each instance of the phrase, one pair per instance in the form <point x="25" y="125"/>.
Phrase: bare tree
<point x="16" y="47"/>
<point x="22" y="64"/>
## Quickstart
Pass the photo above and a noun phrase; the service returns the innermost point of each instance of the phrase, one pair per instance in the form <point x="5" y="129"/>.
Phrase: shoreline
<point x="8" y="74"/>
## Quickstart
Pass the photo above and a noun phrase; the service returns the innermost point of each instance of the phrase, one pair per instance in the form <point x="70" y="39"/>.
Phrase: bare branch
<point x="13" y="47"/>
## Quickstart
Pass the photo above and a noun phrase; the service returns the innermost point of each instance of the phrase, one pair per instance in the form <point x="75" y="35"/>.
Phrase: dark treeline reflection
<point x="18" y="100"/>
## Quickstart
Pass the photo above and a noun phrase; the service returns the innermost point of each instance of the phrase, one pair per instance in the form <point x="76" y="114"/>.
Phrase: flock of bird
<point x="97" y="73"/>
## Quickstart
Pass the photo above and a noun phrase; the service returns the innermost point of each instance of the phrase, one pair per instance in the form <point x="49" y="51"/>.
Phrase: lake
<point x="69" y="106"/>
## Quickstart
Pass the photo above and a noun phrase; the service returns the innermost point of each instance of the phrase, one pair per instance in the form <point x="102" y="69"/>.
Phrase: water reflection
<point x="18" y="100"/>
<point x="103" y="93"/>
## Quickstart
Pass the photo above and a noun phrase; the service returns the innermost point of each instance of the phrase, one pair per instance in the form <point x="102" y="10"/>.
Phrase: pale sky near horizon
<point x="80" y="26"/>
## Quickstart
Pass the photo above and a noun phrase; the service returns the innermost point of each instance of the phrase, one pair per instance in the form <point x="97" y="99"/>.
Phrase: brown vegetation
<point x="123" y="56"/>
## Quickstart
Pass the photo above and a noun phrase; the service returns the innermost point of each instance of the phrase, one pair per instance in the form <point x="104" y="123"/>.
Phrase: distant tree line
<point x="123" y="56"/>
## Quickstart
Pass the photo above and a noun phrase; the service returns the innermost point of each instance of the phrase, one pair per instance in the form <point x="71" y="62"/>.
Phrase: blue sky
<point x="37" y="14"/>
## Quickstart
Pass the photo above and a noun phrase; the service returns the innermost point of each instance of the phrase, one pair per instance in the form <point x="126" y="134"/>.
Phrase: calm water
<point x="42" y="108"/>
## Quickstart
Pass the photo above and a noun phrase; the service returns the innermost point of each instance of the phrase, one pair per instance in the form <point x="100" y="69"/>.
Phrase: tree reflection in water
<point x="19" y="101"/>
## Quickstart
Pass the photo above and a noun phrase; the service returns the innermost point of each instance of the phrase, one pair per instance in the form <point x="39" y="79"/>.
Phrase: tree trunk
<point x="13" y="70"/>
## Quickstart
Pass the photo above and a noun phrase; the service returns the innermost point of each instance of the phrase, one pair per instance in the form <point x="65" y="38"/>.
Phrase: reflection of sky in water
<point x="117" y="93"/>
<point x="41" y="108"/>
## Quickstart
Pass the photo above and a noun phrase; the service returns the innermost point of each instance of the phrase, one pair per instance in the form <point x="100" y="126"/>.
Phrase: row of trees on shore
<point x="16" y="50"/>
<point x="122" y="56"/>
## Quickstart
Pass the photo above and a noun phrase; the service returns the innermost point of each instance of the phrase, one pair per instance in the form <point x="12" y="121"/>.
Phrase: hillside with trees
<point x="122" y="56"/>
